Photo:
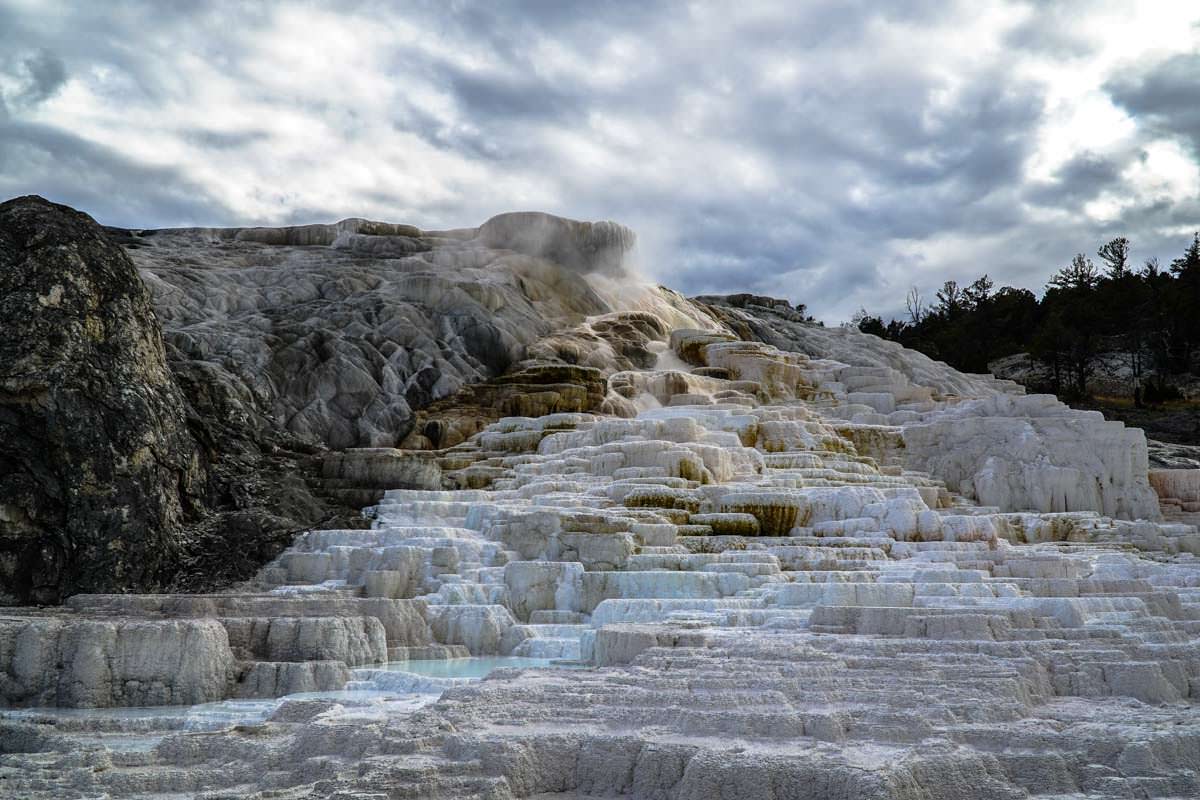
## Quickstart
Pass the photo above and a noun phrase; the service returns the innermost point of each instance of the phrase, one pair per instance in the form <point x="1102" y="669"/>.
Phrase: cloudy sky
<point x="832" y="152"/>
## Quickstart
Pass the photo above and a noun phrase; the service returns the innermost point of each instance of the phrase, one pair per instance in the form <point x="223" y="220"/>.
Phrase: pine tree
<point x="1116" y="255"/>
<point x="1081" y="274"/>
<point x="950" y="299"/>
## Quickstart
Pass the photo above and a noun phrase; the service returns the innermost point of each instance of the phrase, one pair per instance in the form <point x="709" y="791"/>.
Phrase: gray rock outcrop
<point x="97" y="469"/>
<point x="123" y="468"/>
<point x="342" y="332"/>
<point x="84" y="663"/>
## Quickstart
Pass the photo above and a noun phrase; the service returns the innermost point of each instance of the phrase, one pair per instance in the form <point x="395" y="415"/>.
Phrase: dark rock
<point x="97" y="468"/>
<point x="1170" y="455"/>
<point x="127" y="466"/>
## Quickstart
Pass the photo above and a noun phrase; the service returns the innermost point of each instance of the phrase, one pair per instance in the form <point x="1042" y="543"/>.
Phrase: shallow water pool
<point x="475" y="666"/>
<point x="141" y="728"/>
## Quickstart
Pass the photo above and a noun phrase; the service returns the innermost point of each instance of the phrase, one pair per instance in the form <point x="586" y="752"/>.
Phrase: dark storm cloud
<point x="36" y="159"/>
<point x="32" y="78"/>
<point x="834" y="152"/>
<point x="1166" y="96"/>
<point x="714" y="240"/>
<point x="499" y="97"/>
<point x="1081" y="178"/>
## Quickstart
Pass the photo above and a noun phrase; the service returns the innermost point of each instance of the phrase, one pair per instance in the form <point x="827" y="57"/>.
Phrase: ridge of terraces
<point x="774" y="578"/>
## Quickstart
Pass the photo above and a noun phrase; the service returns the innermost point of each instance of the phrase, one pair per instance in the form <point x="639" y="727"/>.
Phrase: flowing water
<point x="392" y="689"/>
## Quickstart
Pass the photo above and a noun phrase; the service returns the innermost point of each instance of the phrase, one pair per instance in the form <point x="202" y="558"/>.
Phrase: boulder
<point x="97" y="467"/>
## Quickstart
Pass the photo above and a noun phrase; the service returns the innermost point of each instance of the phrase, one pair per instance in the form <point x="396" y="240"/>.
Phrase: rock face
<point x="1019" y="452"/>
<point x="154" y="650"/>
<point x="342" y="332"/>
<point x="97" y="469"/>
<point x="123" y="468"/>
<point x="102" y="663"/>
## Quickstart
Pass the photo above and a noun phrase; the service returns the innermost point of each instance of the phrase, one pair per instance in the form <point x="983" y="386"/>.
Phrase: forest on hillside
<point x="1141" y="324"/>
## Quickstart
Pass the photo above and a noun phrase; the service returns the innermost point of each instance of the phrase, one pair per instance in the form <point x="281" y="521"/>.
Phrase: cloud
<point x="831" y="152"/>
<point x="223" y="140"/>
<point x="1079" y="179"/>
<point x="45" y="73"/>
<point x="1166" y="96"/>
<point x="27" y="81"/>
<point x="111" y="187"/>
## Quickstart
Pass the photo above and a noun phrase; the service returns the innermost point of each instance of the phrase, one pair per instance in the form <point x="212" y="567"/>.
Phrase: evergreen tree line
<point x="1148" y="318"/>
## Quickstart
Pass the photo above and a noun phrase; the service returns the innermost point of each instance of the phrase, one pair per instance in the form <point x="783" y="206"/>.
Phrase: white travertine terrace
<point x="785" y="577"/>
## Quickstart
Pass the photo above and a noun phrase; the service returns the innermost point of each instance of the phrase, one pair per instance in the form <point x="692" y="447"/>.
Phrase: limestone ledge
<point x="147" y="650"/>
<point x="53" y="660"/>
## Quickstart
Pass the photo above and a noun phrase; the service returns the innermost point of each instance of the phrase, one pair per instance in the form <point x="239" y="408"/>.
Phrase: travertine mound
<point x="780" y="561"/>
<point x="992" y="444"/>
<point x="343" y="332"/>
<point x="84" y="663"/>
<point x="581" y="246"/>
